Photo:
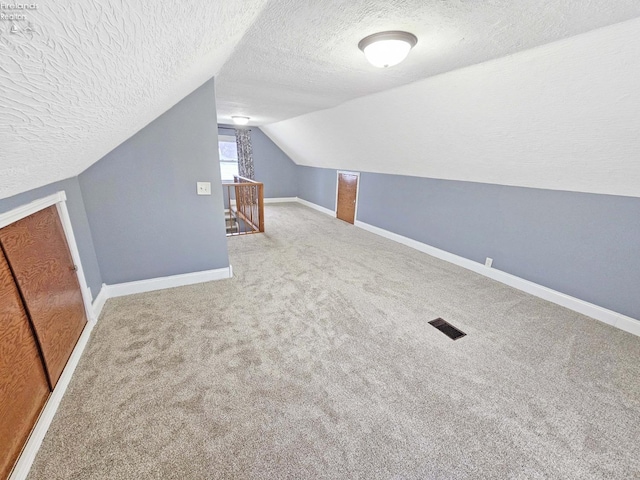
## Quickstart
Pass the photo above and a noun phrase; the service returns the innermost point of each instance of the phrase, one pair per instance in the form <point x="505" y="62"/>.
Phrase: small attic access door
<point x="347" y="196"/>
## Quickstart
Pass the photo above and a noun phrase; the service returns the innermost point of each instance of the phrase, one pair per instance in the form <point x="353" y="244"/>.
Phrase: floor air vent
<point x="449" y="330"/>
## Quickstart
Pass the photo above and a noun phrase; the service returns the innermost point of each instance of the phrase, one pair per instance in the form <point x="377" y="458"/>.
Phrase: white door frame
<point x="347" y="172"/>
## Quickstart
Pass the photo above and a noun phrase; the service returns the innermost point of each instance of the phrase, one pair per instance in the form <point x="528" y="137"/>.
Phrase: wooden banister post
<point x="261" y="206"/>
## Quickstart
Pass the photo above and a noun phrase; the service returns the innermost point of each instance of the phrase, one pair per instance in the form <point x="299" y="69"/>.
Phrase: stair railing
<point x="244" y="203"/>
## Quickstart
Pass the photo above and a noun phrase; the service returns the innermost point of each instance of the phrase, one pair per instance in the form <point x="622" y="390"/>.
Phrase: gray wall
<point x="141" y="202"/>
<point x="271" y="165"/>
<point x="584" y="245"/>
<point x="79" y="223"/>
<point x="317" y="185"/>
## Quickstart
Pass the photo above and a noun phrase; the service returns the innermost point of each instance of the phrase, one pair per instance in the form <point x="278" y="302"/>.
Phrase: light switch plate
<point x="204" y="188"/>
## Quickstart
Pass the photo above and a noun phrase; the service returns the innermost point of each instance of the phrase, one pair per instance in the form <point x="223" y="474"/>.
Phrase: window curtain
<point x="245" y="153"/>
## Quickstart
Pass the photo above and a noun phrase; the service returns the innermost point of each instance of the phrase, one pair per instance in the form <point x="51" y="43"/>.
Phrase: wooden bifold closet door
<point x="41" y="318"/>
<point x="23" y="384"/>
<point x="37" y="251"/>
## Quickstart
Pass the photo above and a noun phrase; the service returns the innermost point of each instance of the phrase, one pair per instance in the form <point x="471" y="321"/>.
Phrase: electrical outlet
<point x="204" y="188"/>
<point x="488" y="262"/>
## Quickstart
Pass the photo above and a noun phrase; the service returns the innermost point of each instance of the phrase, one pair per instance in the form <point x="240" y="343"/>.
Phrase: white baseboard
<point x="316" y="207"/>
<point x="610" y="317"/>
<point x="28" y="455"/>
<point x="628" y="324"/>
<point x="99" y="302"/>
<point x="160" y="283"/>
<point x="281" y="200"/>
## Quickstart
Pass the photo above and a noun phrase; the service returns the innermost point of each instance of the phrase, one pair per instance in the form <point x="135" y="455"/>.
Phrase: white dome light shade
<point x="240" y="120"/>
<point x="386" y="49"/>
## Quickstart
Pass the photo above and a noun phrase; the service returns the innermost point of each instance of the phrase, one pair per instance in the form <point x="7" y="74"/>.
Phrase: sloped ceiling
<point x="561" y="116"/>
<point x="79" y="78"/>
<point x="302" y="56"/>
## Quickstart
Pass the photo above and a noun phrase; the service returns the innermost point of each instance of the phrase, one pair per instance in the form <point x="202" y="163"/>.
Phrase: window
<point x="228" y="153"/>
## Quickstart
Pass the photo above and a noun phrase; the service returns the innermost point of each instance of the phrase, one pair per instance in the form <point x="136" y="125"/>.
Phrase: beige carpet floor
<point x="316" y="361"/>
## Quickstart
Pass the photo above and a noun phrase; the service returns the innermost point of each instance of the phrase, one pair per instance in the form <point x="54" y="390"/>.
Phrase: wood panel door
<point x="23" y="384"/>
<point x="37" y="251"/>
<point x="347" y="192"/>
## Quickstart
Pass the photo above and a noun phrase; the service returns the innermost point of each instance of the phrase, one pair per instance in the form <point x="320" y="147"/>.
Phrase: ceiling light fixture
<point x="240" y="120"/>
<point x="386" y="49"/>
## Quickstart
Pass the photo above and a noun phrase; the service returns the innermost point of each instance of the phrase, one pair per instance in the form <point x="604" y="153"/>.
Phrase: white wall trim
<point x="63" y="213"/>
<point x="161" y="283"/>
<point x="99" y="302"/>
<point x="280" y="200"/>
<point x="347" y="172"/>
<point x="628" y="324"/>
<point x="28" y="455"/>
<point x="610" y="317"/>
<point x="307" y="203"/>
<point x="23" y="211"/>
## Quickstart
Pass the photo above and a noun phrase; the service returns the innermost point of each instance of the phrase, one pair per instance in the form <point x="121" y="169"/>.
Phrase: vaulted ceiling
<point x="79" y="78"/>
<point x="300" y="57"/>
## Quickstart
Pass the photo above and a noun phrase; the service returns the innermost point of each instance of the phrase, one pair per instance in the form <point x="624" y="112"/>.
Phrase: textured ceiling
<point x="90" y="74"/>
<point x="302" y="56"/>
<point x="561" y="116"/>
